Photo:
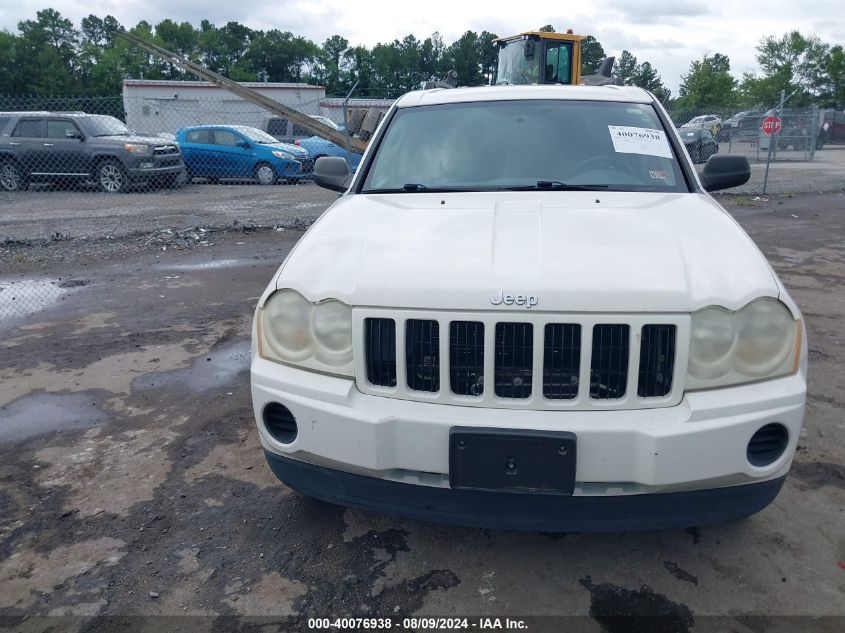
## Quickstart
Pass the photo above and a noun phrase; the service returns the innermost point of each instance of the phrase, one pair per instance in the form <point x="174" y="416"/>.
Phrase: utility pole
<point x="247" y="94"/>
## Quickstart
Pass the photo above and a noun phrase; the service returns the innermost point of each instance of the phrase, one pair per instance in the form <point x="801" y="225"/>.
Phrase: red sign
<point x="771" y="125"/>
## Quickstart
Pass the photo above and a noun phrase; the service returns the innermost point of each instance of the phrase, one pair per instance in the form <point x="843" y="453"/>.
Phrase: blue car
<point x="237" y="151"/>
<point x="317" y="147"/>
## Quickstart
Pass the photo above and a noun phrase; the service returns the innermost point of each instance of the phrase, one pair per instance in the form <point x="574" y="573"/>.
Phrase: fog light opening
<point x="767" y="445"/>
<point x="280" y="422"/>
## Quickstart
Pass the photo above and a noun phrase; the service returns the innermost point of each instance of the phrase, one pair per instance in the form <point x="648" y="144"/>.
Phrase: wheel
<point x="11" y="177"/>
<point x="110" y="176"/>
<point x="265" y="174"/>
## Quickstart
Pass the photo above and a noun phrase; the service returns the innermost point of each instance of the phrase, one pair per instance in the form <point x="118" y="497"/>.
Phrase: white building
<point x="158" y="106"/>
<point x="154" y="106"/>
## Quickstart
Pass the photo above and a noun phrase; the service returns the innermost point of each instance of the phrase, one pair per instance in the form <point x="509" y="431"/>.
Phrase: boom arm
<point x="247" y="94"/>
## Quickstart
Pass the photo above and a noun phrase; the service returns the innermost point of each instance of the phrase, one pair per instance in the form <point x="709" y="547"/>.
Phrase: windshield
<point x="101" y="125"/>
<point x="514" y="68"/>
<point x="256" y="136"/>
<point x="544" y="144"/>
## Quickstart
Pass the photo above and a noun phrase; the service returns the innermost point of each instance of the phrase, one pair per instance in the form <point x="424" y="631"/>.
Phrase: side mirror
<point x="332" y="172"/>
<point x="723" y="171"/>
<point x="76" y="135"/>
<point x="243" y="144"/>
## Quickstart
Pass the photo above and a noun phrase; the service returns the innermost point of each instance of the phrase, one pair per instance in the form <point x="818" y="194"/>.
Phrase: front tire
<point x="265" y="174"/>
<point x="11" y="177"/>
<point x="111" y="178"/>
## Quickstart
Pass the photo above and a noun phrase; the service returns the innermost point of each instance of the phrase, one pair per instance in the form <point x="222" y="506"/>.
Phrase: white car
<point x="525" y="311"/>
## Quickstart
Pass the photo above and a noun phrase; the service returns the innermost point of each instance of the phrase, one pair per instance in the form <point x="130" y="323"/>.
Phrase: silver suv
<point x="74" y="146"/>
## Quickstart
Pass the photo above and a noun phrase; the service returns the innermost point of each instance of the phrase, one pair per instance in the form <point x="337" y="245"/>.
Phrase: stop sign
<point x="771" y="125"/>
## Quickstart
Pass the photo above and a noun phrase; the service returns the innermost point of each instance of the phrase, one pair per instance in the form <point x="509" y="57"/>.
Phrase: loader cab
<point x="537" y="57"/>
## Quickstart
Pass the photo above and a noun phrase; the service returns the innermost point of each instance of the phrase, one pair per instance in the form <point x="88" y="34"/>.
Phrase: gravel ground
<point x="132" y="483"/>
<point x="790" y="171"/>
<point x="62" y="214"/>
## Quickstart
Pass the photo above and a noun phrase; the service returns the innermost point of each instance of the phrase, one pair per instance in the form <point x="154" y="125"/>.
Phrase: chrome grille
<point x="161" y="150"/>
<point x="525" y="360"/>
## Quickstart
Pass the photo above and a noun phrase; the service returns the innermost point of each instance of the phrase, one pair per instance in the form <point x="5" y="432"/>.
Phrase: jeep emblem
<point x="529" y="301"/>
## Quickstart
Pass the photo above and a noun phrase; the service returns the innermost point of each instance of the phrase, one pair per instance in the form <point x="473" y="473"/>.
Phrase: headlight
<point x="136" y="148"/>
<point x="284" y="155"/>
<point x="759" y="341"/>
<point x="316" y="336"/>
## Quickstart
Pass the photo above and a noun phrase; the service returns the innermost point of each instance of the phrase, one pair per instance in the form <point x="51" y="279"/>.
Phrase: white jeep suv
<point x="525" y="311"/>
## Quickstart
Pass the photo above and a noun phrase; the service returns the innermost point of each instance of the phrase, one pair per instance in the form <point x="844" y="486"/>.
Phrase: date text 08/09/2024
<point x="418" y="623"/>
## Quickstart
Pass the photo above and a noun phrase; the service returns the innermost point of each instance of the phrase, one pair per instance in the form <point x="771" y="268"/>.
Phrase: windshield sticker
<point x="639" y="140"/>
<point x="660" y="175"/>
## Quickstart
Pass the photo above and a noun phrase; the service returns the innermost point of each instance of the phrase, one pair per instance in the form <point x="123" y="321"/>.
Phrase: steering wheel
<point x="612" y="162"/>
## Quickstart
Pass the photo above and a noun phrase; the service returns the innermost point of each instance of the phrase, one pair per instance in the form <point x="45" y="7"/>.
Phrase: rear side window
<point x="225" y="137"/>
<point x="298" y="130"/>
<point x="277" y="127"/>
<point x="4" y="121"/>
<point x="60" y="129"/>
<point x="29" y="128"/>
<point x="200" y="136"/>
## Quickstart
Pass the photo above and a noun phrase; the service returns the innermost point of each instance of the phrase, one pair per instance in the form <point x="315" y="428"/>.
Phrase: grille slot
<point x="561" y="360"/>
<point x="767" y="444"/>
<point x="514" y="359"/>
<point x="380" y="342"/>
<point x="609" y="366"/>
<point x="422" y="355"/>
<point x="657" y="361"/>
<point x="466" y="358"/>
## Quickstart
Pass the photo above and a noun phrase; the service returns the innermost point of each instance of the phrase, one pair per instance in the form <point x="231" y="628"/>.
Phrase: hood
<point x="289" y="148"/>
<point x="574" y="251"/>
<point x="136" y="138"/>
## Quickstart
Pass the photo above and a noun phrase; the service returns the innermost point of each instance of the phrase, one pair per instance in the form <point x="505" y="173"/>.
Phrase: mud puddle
<point x="210" y="371"/>
<point x="207" y="265"/>
<point x="42" y="413"/>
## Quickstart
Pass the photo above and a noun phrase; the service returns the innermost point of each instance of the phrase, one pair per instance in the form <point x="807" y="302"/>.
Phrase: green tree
<point x="464" y="56"/>
<point x="47" y="54"/>
<point x="792" y="63"/>
<point x="645" y="76"/>
<point x="708" y="83"/>
<point x="592" y="54"/>
<point x="625" y="68"/>
<point x="548" y="28"/>
<point x="835" y="89"/>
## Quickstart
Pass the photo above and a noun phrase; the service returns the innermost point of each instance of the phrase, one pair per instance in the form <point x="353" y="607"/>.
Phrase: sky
<point x="667" y="33"/>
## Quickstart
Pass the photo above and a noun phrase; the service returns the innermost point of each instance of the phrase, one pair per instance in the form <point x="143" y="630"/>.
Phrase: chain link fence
<point x="166" y="135"/>
<point x="162" y="135"/>
<point x="791" y="150"/>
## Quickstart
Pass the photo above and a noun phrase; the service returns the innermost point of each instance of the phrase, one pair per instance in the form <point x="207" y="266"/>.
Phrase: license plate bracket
<point x="512" y="460"/>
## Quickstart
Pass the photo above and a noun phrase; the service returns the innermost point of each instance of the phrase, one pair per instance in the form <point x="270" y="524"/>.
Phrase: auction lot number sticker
<point x="639" y="140"/>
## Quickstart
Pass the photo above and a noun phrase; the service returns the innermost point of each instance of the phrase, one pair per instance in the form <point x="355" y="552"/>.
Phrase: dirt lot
<point x="132" y="482"/>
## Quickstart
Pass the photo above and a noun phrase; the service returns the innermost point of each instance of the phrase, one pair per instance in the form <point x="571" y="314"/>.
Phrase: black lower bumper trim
<point x="534" y="512"/>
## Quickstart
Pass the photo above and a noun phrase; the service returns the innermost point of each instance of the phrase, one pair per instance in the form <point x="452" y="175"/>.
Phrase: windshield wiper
<point x="554" y="185"/>
<point x="413" y="187"/>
